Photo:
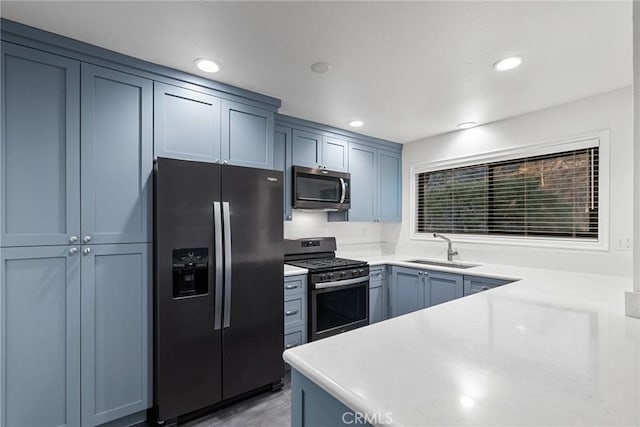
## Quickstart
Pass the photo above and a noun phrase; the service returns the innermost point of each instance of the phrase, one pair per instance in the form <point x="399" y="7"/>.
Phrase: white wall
<point x="611" y="111"/>
<point x="356" y="238"/>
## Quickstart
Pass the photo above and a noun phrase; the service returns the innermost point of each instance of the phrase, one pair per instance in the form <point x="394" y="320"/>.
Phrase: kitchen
<point x="586" y="110"/>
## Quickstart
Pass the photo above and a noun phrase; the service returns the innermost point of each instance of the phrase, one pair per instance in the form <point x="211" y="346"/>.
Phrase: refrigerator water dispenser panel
<point x="190" y="272"/>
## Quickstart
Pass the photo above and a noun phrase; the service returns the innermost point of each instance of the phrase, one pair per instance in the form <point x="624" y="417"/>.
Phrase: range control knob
<point x="354" y="273"/>
<point x="361" y="271"/>
<point x="343" y="273"/>
<point x="323" y="277"/>
<point x="331" y="276"/>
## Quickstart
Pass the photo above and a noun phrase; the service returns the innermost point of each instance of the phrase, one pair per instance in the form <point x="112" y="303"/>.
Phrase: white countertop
<point x="290" y="270"/>
<point x="554" y="348"/>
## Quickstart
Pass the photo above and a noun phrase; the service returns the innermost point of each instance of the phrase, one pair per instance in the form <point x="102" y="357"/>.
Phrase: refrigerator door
<point x="188" y="346"/>
<point x="253" y="316"/>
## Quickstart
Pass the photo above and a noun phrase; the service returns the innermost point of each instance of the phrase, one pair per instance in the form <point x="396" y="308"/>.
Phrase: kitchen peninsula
<point x="554" y="348"/>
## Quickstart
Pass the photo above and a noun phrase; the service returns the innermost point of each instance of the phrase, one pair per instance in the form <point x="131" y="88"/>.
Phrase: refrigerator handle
<point x="217" y="239"/>
<point x="227" y="264"/>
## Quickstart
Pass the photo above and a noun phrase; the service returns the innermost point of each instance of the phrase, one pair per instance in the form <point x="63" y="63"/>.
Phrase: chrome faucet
<point x="450" y="251"/>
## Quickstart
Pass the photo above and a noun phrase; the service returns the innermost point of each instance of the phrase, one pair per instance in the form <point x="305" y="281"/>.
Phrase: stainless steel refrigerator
<point x="218" y="296"/>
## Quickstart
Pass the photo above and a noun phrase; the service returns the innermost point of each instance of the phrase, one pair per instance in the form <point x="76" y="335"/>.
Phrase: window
<point x="552" y="195"/>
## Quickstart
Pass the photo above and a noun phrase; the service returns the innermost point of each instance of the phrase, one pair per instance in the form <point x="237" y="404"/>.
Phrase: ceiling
<point x="407" y="69"/>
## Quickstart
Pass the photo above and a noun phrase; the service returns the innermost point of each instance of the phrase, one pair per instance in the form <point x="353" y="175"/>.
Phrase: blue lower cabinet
<point x="116" y="352"/>
<point x="442" y="287"/>
<point x="40" y="330"/>
<point x="406" y="291"/>
<point x="311" y="406"/>
<point x="473" y="284"/>
<point x="376" y="304"/>
<point x="295" y="311"/>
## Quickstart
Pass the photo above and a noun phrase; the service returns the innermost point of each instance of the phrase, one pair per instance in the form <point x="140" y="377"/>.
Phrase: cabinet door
<point x="389" y="186"/>
<point x="335" y="154"/>
<point x="40" y="331"/>
<point x="40" y="154"/>
<point x="117" y="157"/>
<point x="362" y="166"/>
<point x="473" y="285"/>
<point x="186" y="124"/>
<point x="406" y="291"/>
<point x="247" y="135"/>
<point x="306" y="149"/>
<point x="376" y="304"/>
<point x="442" y="287"/>
<point x="282" y="162"/>
<point x="116" y="298"/>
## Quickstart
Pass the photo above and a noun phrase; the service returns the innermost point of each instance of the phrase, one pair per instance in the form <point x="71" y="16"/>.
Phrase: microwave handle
<point x="344" y="190"/>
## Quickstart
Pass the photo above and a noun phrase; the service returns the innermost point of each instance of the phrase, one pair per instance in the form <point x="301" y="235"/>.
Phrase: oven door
<point x="337" y="308"/>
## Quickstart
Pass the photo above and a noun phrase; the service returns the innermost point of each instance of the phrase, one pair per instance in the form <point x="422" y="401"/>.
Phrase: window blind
<point x="553" y="195"/>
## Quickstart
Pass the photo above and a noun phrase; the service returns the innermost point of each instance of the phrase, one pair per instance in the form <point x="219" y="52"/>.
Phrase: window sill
<point x="533" y="242"/>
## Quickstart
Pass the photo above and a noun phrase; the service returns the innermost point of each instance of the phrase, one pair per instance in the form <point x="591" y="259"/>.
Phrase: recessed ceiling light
<point x="467" y="125"/>
<point x="508" y="63"/>
<point x="207" y="65"/>
<point x="356" y="123"/>
<point x="321" y="67"/>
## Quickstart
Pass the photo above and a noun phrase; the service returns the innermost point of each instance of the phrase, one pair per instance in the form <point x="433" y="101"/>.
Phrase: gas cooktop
<point x="326" y="263"/>
<point x="316" y="254"/>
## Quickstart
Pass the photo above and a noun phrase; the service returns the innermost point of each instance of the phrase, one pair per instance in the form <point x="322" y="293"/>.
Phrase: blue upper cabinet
<point x="319" y="150"/>
<point x="282" y="162"/>
<point x="335" y="153"/>
<point x="40" y="154"/>
<point x="306" y="149"/>
<point x="193" y="125"/>
<point x="247" y="135"/>
<point x="117" y="157"/>
<point x="362" y="166"/>
<point x="389" y="186"/>
<point x="376" y="190"/>
<point x="186" y="124"/>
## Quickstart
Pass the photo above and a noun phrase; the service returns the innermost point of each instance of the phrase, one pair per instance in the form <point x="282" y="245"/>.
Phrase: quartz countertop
<point x="290" y="270"/>
<point x="554" y="348"/>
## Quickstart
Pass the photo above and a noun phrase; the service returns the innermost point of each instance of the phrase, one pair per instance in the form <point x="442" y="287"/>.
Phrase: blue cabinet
<point x="40" y="154"/>
<point x="117" y="157"/>
<point x="193" y="125"/>
<point x="186" y="124"/>
<point x="377" y="294"/>
<point x="282" y="162"/>
<point x="40" y="331"/>
<point x="247" y="135"/>
<point x="376" y="191"/>
<point x="411" y="289"/>
<point x="77" y="157"/>
<point x="474" y="284"/>
<point x="116" y="327"/>
<point x="295" y="311"/>
<point x="319" y="150"/>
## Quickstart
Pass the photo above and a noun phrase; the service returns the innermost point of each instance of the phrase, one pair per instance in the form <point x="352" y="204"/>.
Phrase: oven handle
<point x="344" y="190"/>
<point x="339" y="283"/>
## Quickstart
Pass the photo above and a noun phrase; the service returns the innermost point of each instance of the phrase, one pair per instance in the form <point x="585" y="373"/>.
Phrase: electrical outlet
<point x="623" y="242"/>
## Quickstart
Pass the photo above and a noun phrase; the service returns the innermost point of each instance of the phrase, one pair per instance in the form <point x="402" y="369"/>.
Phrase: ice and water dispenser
<point x="190" y="272"/>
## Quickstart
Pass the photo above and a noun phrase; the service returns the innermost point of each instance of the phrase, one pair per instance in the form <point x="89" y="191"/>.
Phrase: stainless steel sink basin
<point x="443" y="263"/>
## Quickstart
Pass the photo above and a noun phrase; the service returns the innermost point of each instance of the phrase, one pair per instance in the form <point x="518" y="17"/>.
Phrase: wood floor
<point x="268" y="409"/>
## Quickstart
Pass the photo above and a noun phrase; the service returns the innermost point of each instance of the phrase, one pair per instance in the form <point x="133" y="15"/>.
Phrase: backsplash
<point x="361" y="238"/>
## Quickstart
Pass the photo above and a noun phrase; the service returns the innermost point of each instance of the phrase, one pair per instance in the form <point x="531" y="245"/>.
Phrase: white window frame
<point x="599" y="139"/>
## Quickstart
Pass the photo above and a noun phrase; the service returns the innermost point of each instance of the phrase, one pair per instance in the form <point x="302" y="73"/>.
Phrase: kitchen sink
<point x="443" y="263"/>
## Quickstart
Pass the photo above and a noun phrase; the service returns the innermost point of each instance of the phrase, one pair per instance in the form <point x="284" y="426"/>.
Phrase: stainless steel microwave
<point x="321" y="189"/>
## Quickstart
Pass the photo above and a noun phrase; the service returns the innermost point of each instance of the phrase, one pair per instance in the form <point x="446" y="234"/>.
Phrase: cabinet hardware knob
<point x="73" y="239"/>
<point x="217" y="160"/>
<point x="225" y="162"/>
<point x="86" y="239"/>
<point x="86" y="251"/>
<point x="73" y="251"/>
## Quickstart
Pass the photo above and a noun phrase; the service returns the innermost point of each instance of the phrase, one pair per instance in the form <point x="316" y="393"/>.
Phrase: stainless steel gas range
<point x="338" y="288"/>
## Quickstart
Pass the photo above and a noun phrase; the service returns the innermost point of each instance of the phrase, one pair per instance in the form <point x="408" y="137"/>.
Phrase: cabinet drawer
<point x="294" y="285"/>
<point x="293" y="311"/>
<point x="473" y="285"/>
<point x="377" y="274"/>
<point x="292" y="339"/>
